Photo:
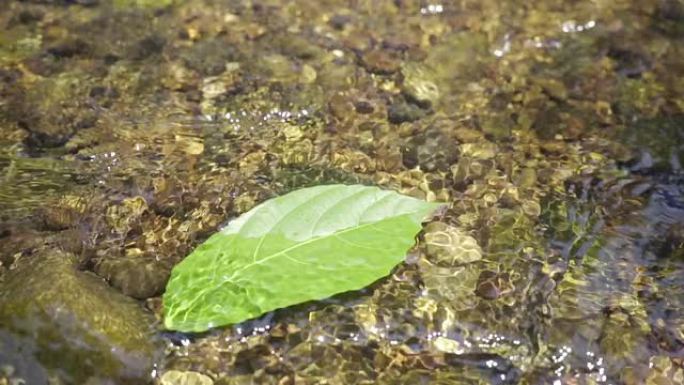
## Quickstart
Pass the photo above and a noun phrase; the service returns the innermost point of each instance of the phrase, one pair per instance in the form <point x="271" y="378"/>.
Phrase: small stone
<point x="298" y="152"/>
<point x="401" y="111"/>
<point x="292" y="133"/>
<point x="448" y="244"/>
<point x="69" y="48"/>
<point x="526" y="178"/>
<point x="277" y="67"/>
<point x="208" y="57"/>
<point x="492" y="285"/>
<point x="308" y="74"/>
<point x="64" y="214"/>
<point x="148" y="46"/>
<point x="339" y="21"/>
<point x="178" y="77"/>
<point x="447" y="345"/>
<point x="418" y="88"/>
<point x="497" y="126"/>
<point x="380" y="62"/>
<point x="554" y="146"/>
<point x="431" y="150"/>
<point x="340" y="106"/>
<point x="531" y="208"/>
<point x="139" y="278"/>
<point x="213" y="87"/>
<point x="177" y="377"/>
<point x="364" y="107"/>
<point x="484" y="150"/>
<point x="189" y="145"/>
<point x="554" y="88"/>
<point x="467" y="135"/>
<point x="294" y="45"/>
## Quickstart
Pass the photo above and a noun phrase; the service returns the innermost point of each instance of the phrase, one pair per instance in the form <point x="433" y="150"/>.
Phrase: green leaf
<point x="306" y="245"/>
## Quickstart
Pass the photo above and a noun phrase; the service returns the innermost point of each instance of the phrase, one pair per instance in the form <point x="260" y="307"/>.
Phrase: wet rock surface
<point x="60" y="324"/>
<point x="51" y="111"/>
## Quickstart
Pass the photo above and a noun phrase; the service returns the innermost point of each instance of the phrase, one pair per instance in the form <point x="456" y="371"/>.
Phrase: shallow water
<point x="131" y="130"/>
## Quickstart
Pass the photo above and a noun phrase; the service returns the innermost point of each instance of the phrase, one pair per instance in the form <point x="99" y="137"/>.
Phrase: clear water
<point x="132" y="130"/>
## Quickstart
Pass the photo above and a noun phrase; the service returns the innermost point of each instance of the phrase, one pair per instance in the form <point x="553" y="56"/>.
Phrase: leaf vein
<point x="307" y="242"/>
<point x="355" y="244"/>
<point x="275" y="225"/>
<point x="326" y="211"/>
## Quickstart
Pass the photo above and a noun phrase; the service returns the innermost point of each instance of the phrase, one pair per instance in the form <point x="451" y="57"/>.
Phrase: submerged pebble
<point x="448" y="245"/>
<point x="176" y="377"/>
<point x="418" y="87"/>
<point x="380" y="62"/>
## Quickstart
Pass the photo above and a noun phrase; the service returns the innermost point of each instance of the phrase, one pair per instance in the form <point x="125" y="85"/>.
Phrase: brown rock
<point x="380" y="62"/>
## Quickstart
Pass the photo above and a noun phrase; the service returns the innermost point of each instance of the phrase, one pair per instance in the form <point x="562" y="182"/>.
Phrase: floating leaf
<point x="307" y="245"/>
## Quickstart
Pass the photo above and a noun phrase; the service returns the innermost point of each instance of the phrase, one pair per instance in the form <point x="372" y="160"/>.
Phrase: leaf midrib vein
<point x="307" y="242"/>
<point x="336" y="205"/>
<point x="284" y="216"/>
<point x="284" y="253"/>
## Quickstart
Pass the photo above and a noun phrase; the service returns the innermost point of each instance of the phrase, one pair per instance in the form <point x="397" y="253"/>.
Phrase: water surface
<point x="131" y="130"/>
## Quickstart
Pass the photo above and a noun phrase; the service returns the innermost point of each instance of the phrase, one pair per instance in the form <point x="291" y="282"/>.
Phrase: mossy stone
<point x="73" y="325"/>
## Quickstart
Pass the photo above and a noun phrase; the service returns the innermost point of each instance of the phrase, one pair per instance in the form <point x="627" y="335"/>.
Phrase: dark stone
<point x="669" y="18"/>
<point x="671" y="10"/>
<point x="630" y="63"/>
<point x="18" y="241"/>
<point x="139" y="278"/>
<point x="339" y="21"/>
<point x="69" y="48"/>
<point x="432" y="150"/>
<point x="400" y="111"/>
<point x="29" y="16"/>
<point x="409" y="157"/>
<point x="43" y="64"/>
<point x="148" y="46"/>
<point x="9" y="75"/>
<point x="364" y="107"/>
<point x="673" y="244"/>
<point x="110" y="58"/>
<point x="100" y="91"/>
<point x="502" y="367"/>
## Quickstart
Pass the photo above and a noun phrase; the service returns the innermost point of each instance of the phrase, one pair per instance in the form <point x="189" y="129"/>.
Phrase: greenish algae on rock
<point x="71" y="324"/>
